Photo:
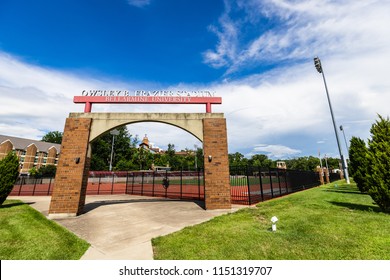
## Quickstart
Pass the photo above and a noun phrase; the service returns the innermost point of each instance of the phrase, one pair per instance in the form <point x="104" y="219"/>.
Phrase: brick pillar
<point x="320" y="174"/>
<point x="327" y="175"/>
<point x="216" y="171"/>
<point x="68" y="197"/>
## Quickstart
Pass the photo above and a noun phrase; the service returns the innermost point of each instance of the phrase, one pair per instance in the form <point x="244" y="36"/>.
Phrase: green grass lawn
<point x="332" y="222"/>
<point x="25" y="234"/>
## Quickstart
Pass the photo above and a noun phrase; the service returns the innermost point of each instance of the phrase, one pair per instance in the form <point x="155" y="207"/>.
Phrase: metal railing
<point x="250" y="184"/>
<point x="170" y="184"/>
<point x="32" y="186"/>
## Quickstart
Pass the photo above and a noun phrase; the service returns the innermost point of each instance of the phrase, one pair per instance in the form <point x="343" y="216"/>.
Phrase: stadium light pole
<point x="317" y="64"/>
<point x="345" y="140"/>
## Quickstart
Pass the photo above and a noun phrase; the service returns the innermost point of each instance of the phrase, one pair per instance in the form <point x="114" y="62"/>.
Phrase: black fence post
<point x="132" y="184"/>
<point x="48" y="190"/>
<point x="35" y="185"/>
<point x="270" y="182"/>
<point x="198" y="171"/>
<point x="21" y="184"/>
<point x="280" y="185"/>
<point x="154" y="176"/>
<point x="166" y="189"/>
<point x="248" y="185"/>
<point x="112" y="184"/>
<point x="100" y="177"/>
<point x="285" y="180"/>
<point x="261" y="185"/>
<point x="181" y="183"/>
<point x="127" y="181"/>
<point x="142" y="184"/>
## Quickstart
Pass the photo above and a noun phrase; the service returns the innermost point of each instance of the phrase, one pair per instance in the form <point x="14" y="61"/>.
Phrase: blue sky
<point x="256" y="54"/>
<point x="161" y="41"/>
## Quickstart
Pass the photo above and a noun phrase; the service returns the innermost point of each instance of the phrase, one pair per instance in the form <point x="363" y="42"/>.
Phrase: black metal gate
<point x="169" y="184"/>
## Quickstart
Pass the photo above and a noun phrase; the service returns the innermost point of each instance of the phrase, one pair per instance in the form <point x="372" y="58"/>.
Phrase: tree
<point x="303" y="163"/>
<point x="174" y="161"/>
<point x="126" y="165"/>
<point x="378" y="156"/>
<point x="145" y="159"/>
<point x="237" y="159"/>
<point x="33" y="171"/>
<point x="124" y="150"/>
<point x="199" y="158"/>
<point x="53" y="137"/>
<point x="47" y="170"/>
<point x="9" y="172"/>
<point x="260" y="161"/>
<point x="297" y="163"/>
<point x="358" y="162"/>
<point x="160" y="160"/>
<point x="333" y="163"/>
<point x="310" y="163"/>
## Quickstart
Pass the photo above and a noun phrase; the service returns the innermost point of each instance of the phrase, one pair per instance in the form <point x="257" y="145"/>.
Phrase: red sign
<point x="89" y="100"/>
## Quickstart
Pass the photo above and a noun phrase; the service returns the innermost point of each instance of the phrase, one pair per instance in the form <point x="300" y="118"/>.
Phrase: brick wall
<point x="68" y="196"/>
<point x="217" y="182"/>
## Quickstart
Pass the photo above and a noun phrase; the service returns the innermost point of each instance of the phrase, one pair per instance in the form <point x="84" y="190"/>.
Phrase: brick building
<point x="31" y="153"/>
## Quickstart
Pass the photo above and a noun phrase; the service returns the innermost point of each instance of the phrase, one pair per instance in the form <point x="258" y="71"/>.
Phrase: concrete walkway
<point x="120" y="227"/>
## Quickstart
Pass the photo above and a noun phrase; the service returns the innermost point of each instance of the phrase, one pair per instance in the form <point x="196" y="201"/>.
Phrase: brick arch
<point x="197" y="136"/>
<point x="103" y="122"/>
<point x="69" y="193"/>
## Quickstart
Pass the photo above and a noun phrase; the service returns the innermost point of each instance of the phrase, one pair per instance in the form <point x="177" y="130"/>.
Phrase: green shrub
<point x="358" y="162"/>
<point x="33" y="171"/>
<point x="9" y="171"/>
<point x="378" y="177"/>
<point x="47" y="171"/>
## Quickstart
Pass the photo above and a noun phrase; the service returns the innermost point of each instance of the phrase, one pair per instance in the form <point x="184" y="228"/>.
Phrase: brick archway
<point x="69" y="192"/>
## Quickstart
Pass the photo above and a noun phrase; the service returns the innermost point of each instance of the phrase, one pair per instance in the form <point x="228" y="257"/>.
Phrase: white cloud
<point x="275" y="151"/>
<point x="227" y="41"/>
<point x="36" y="100"/>
<point x="138" y="3"/>
<point x="351" y="39"/>
<point x="304" y="28"/>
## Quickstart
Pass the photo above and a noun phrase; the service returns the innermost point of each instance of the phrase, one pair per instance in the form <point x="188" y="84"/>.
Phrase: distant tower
<point x="145" y="143"/>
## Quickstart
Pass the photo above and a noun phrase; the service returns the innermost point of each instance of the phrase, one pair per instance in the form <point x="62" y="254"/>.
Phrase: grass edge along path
<point x="26" y="234"/>
<point x="330" y="222"/>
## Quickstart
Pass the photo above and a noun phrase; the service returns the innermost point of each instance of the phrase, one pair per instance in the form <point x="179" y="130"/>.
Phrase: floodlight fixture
<point x="317" y="64"/>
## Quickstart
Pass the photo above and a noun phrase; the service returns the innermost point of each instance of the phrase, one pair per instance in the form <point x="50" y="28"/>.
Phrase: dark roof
<point x="23" y="143"/>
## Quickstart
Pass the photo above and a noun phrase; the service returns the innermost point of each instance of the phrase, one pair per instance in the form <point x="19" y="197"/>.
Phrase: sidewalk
<point x="120" y="227"/>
